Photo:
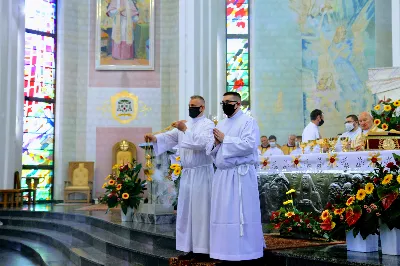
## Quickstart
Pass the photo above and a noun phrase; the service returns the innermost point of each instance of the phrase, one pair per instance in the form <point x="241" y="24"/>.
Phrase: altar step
<point x="86" y="240"/>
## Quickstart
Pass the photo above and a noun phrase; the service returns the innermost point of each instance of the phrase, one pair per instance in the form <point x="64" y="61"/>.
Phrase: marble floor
<point x="9" y="257"/>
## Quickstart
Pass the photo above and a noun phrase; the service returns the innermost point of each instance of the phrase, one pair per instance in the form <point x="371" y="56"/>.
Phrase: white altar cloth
<point x="326" y="162"/>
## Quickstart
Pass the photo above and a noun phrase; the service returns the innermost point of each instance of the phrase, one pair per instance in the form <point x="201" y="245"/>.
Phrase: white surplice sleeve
<point x="199" y="139"/>
<point x="166" y="141"/>
<point x="243" y="145"/>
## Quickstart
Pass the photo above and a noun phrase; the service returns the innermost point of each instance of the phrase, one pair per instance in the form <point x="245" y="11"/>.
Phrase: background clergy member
<point x="264" y="145"/>
<point x="311" y="131"/>
<point x="273" y="147"/>
<point x="236" y="232"/>
<point x="367" y="126"/>
<point x="352" y="130"/>
<point x="193" y="214"/>
<point x="290" y="145"/>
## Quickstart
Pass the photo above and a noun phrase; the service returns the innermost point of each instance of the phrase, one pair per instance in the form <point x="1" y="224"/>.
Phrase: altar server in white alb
<point x="311" y="131"/>
<point x="236" y="232"/>
<point x="194" y="200"/>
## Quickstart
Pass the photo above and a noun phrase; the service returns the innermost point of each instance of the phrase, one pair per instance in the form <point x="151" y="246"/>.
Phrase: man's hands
<point x="150" y="138"/>
<point x="180" y="125"/>
<point x="219" y="136"/>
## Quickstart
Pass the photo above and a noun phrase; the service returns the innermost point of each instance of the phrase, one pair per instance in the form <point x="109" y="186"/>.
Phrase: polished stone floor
<point x="9" y="257"/>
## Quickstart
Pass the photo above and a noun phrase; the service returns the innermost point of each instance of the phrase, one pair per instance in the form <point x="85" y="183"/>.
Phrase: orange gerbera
<point x="125" y="196"/>
<point x="289" y="214"/>
<point x="377" y="122"/>
<point x="387" y="108"/>
<point x="385" y="126"/>
<point x="325" y="215"/>
<point x="111" y="182"/>
<point x="339" y="211"/>
<point x="119" y="186"/>
<point x="350" y="201"/>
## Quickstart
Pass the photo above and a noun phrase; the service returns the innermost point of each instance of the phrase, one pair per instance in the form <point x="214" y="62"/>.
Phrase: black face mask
<point x="228" y="109"/>
<point x="321" y="122"/>
<point x="194" y="111"/>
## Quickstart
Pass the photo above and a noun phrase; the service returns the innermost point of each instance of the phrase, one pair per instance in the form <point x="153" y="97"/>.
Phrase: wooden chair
<point x="31" y="190"/>
<point x="80" y="180"/>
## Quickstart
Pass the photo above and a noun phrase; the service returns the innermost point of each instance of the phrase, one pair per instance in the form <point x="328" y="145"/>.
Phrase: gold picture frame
<point x="124" y="36"/>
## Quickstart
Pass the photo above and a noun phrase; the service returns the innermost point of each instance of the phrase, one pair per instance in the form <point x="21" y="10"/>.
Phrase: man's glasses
<point x="227" y="102"/>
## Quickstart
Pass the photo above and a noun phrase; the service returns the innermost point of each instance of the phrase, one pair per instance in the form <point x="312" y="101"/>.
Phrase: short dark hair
<point x="272" y="137"/>
<point x="314" y="114"/>
<point x="263" y="137"/>
<point x="354" y="117"/>
<point x="235" y="94"/>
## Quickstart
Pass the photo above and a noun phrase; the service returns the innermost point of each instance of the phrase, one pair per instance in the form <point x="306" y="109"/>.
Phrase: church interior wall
<point x="85" y="127"/>
<point x="298" y="64"/>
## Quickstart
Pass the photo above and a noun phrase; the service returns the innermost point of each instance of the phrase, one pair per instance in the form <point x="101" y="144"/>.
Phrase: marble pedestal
<point x="384" y="82"/>
<point x="158" y="209"/>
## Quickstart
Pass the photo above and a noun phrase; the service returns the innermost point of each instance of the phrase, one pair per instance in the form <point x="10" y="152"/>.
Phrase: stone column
<point x="12" y="43"/>
<point x="202" y="63"/>
<point x="396" y="32"/>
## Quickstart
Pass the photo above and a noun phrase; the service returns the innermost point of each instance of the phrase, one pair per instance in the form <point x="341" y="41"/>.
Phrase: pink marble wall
<point x="124" y="79"/>
<point x="106" y="137"/>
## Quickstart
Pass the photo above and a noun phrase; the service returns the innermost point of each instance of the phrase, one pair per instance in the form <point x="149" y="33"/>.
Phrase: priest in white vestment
<point x="352" y="130"/>
<point x="194" y="200"/>
<point x="311" y="131"/>
<point x="236" y="231"/>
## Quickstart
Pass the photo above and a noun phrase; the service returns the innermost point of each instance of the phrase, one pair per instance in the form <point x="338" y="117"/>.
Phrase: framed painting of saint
<point x="125" y="35"/>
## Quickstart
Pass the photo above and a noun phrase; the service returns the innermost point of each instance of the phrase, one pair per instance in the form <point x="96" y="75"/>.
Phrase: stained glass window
<point x="39" y="92"/>
<point x="237" y="49"/>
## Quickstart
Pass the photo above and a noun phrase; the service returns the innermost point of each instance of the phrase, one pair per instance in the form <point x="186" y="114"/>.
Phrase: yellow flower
<point x="149" y="179"/>
<point x="111" y="182"/>
<point x="385" y="126"/>
<point x="339" y="211"/>
<point x="177" y="171"/>
<point x="377" y="122"/>
<point x="333" y="224"/>
<point x="290" y="191"/>
<point x="174" y="165"/>
<point x="288" y="202"/>
<point x="350" y="201"/>
<point x="115" y="167"/>
<point x="289" y="214"/>
<point x="119" y="186"/>
<point x="377" y="107"/>
<point x="396" y="103"/>
<point x="361" y="194"/>
<point x="325" y="215"/>
<point x="104" y="185"/>
<point x="107" y="177"/>
<point x="387" y="108"/>
<point x="387" y="179"/>
<point x="178" y="158"/>
<point x="398" y="179"/>
<point x="369" y="188"/>
<point x="125" y="196"/>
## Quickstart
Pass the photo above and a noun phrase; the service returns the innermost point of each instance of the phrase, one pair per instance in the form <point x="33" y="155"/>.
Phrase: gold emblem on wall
<point x="124" y="107"/>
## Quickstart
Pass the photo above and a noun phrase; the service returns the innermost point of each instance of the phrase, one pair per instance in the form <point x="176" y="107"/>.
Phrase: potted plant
<point x="124" y="188"/>
<point x="387" y="182"/>
<point x="294" y="223"/>
<point x="357" y="213"/>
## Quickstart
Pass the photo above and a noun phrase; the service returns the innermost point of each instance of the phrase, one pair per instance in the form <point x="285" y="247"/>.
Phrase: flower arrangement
<point x="386" y="182"/>
<point x="293" y="223"/>
<point x="376" y="198"/>
<point x="124" y="187"/>
<point x="386" y="115"/>
<point x="174" y="174"/>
